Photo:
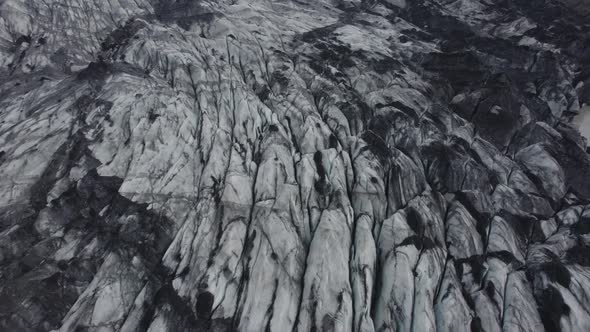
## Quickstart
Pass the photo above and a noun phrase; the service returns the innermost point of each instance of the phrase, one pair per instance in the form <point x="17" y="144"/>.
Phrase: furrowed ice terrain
<point x="294" y="165"/>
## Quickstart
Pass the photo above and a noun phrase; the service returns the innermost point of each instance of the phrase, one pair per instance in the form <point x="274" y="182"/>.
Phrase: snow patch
<point x="582" y="121"/>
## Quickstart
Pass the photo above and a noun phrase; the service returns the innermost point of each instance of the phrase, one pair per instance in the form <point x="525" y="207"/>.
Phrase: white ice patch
<point x="582" y="121"/>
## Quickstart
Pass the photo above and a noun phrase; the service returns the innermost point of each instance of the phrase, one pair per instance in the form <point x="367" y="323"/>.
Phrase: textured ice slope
<point x="375" y="165"/>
